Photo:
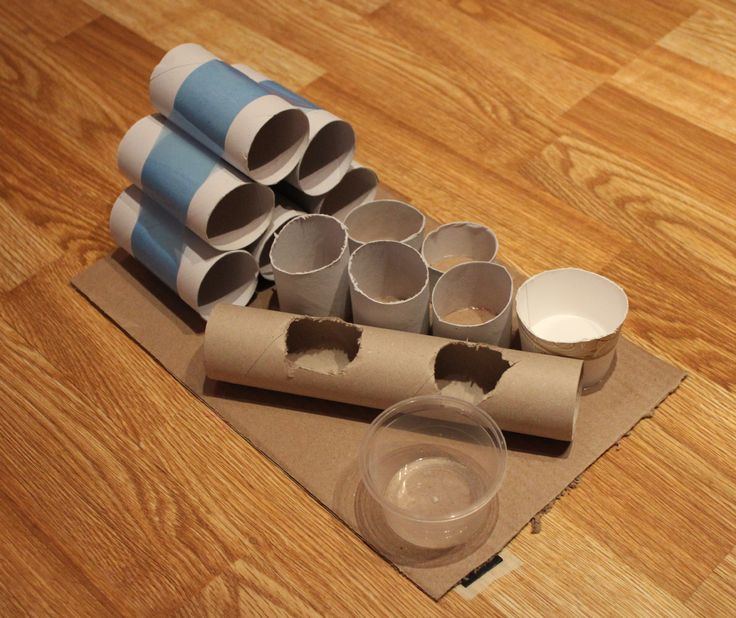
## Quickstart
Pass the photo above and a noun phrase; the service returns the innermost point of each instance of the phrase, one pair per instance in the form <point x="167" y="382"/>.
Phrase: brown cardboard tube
<point x="385" y="220"/>
<point x="327" y="358"/>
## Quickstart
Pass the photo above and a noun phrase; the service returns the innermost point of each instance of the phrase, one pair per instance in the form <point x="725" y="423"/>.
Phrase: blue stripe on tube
<point x="210" y="98"/>
<point x="157" y="241"/>
<point x="175" y="169"/>
<point x="285" y="93"/>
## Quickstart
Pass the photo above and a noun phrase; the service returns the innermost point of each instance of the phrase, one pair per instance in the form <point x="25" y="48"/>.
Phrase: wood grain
<point x="599" y="134"/>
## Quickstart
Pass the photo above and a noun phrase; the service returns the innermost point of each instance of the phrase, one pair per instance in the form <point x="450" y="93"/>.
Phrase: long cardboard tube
<point x="330" y="359"/>
<point x="331" y="140"/>
<point x="309" y="257"/>
<point x="453" y="243"/>
<point x="201" y="275"/>
<point x="358" y="186"/>
<point x="472" y="301"/>
<point x="385" y="220"/>
<point x="258" y="132"/>
<point x="389" y="286"/>
<point x="214" y="200"/>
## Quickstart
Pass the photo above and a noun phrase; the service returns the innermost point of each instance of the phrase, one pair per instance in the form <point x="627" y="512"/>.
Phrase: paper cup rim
<point x="343" y="247"/>
<point x="610" y="333"/>
<point x="372" y="202"/>
<point x="500" y="314"/>
<point x="390" y="302"/>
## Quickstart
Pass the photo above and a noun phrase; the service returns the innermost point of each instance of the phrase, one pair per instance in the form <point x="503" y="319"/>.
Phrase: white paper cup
<point x="455" y="243"/>
<point x="358" y="186"/>
<point x="385" y="220"/>
<point x="389" y="286"/>
<point x="201" y="275"/>
<point x="258" y="132"/>
<point x="472" y="302"/>
<point x="218" y="203"/>
<point x="310" y="258"/>
<point x="574" y="313"/>
<point x="261" y="249"/>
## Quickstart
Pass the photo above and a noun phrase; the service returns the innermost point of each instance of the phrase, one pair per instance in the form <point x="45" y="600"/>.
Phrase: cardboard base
<point x="316" y="442"/>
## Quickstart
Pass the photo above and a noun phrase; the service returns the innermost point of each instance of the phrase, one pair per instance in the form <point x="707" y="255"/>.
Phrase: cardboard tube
<point x="574" y="313"/>
<point x="215" y="201"/>
<point x="455" y="243"/>
<point x="310" y="261"/>
<point x="258" y="132"/>
<point x="389" y="286"/>
<point x="358" y="186"/>
<point x="198" y="273"/>
<point x="283" y="212"/>
<point x="330" y="359"/>
<point x="385" y="220"/>
<point x="331" y="140"/>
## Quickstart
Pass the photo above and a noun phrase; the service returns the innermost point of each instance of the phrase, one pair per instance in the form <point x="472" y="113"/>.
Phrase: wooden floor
<point x="593" y="133"/>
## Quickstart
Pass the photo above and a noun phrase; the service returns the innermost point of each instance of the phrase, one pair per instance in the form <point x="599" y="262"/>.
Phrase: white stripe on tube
<point x="214" y="200"/>
<point x="472" y="302"/>
<point x="389" y="286"/>
<point x="261" y="250"/>
<point x="358" y="186"/>
<point x="258" y="132"/>
<point x="201" y="275"/>
<point x="385" y="220"/>
<point x="331" y="141"/>
<point x="310" y="259"/>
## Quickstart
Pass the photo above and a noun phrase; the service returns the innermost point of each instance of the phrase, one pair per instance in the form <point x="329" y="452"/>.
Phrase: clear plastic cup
<point x="434" y="464"/>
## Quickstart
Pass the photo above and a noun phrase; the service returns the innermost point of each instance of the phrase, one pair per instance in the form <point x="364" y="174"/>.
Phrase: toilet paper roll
<point x="331" y="140"/>
<point x="215" y="201"/>
<point x="330" y="359"/>
<point x="201" y="275"/>
<point x="258" y="132"/>
<point x="385" y="220"/>
<point x="472" y="302"/>
<point x="283" y="212"/>
<point x="309" y="257"/>
<point x="389" y="286"/>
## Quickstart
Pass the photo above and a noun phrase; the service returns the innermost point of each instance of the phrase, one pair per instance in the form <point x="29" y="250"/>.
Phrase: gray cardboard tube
<point x="536" y="394"/>
<point x="385" y="220"/>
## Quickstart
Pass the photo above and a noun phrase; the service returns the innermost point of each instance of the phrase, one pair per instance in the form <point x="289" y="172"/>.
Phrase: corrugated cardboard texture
<point x="316" y="442"/>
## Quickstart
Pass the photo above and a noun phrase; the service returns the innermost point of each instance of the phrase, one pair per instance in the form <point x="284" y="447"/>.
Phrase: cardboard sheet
<point x="316" y="441"/>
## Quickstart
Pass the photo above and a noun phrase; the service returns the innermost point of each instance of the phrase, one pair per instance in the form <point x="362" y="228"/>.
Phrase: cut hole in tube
<point x="240" y="217"/>
<point x="232" y="279"/>
<point x="327" y="158"/>
<point x="324" y="346"/>
<point x="277" y="145"/>
<point x="468" y="372"/>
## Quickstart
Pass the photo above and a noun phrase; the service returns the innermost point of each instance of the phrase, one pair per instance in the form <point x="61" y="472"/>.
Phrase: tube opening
<point x="384" y="220"/>
<point x="231" y="278"/>
<point x="388" y="272"/>
<point x="468" y="372"/>
<point x="308" y="243"/>
<point x="324" y="346"/>
<point x="277" y="147"/>
<point x="357" y="186"/>
<point x="240" y="217"/>
<point x="327" y="158"/>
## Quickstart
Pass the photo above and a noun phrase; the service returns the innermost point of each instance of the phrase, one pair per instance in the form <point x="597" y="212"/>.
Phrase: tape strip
<point x="209" y="100"/>
<point x="174" y="170"/>
<point x="288" y="95"/>
<point x="158" y="241"/>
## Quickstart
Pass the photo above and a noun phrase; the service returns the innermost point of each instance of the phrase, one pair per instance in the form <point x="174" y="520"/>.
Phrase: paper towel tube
<point x="214" y="200"/>
<point x="258" y="132"/>
<point x="331" y="140"/>
<point x="310" y="261"/>
<point x="201" y="275"/>
<point x="358" y="186"/>
<point x="472" y="302"/>
<point x="385" y="220"/>
<point x="453" y="243"/>
<point x="389" y="286"/>
<point x="330" y="359"/>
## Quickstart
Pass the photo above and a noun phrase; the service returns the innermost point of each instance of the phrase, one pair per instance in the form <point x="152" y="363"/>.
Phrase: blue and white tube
<point x="201" y="275"/>
<point x="331" y="141"/>
<point x="256" y="131"/>
<point x="217" y="202"/>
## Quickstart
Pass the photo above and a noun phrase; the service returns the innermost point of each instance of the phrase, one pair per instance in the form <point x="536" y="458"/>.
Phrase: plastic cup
<point x="434" y="464"/>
